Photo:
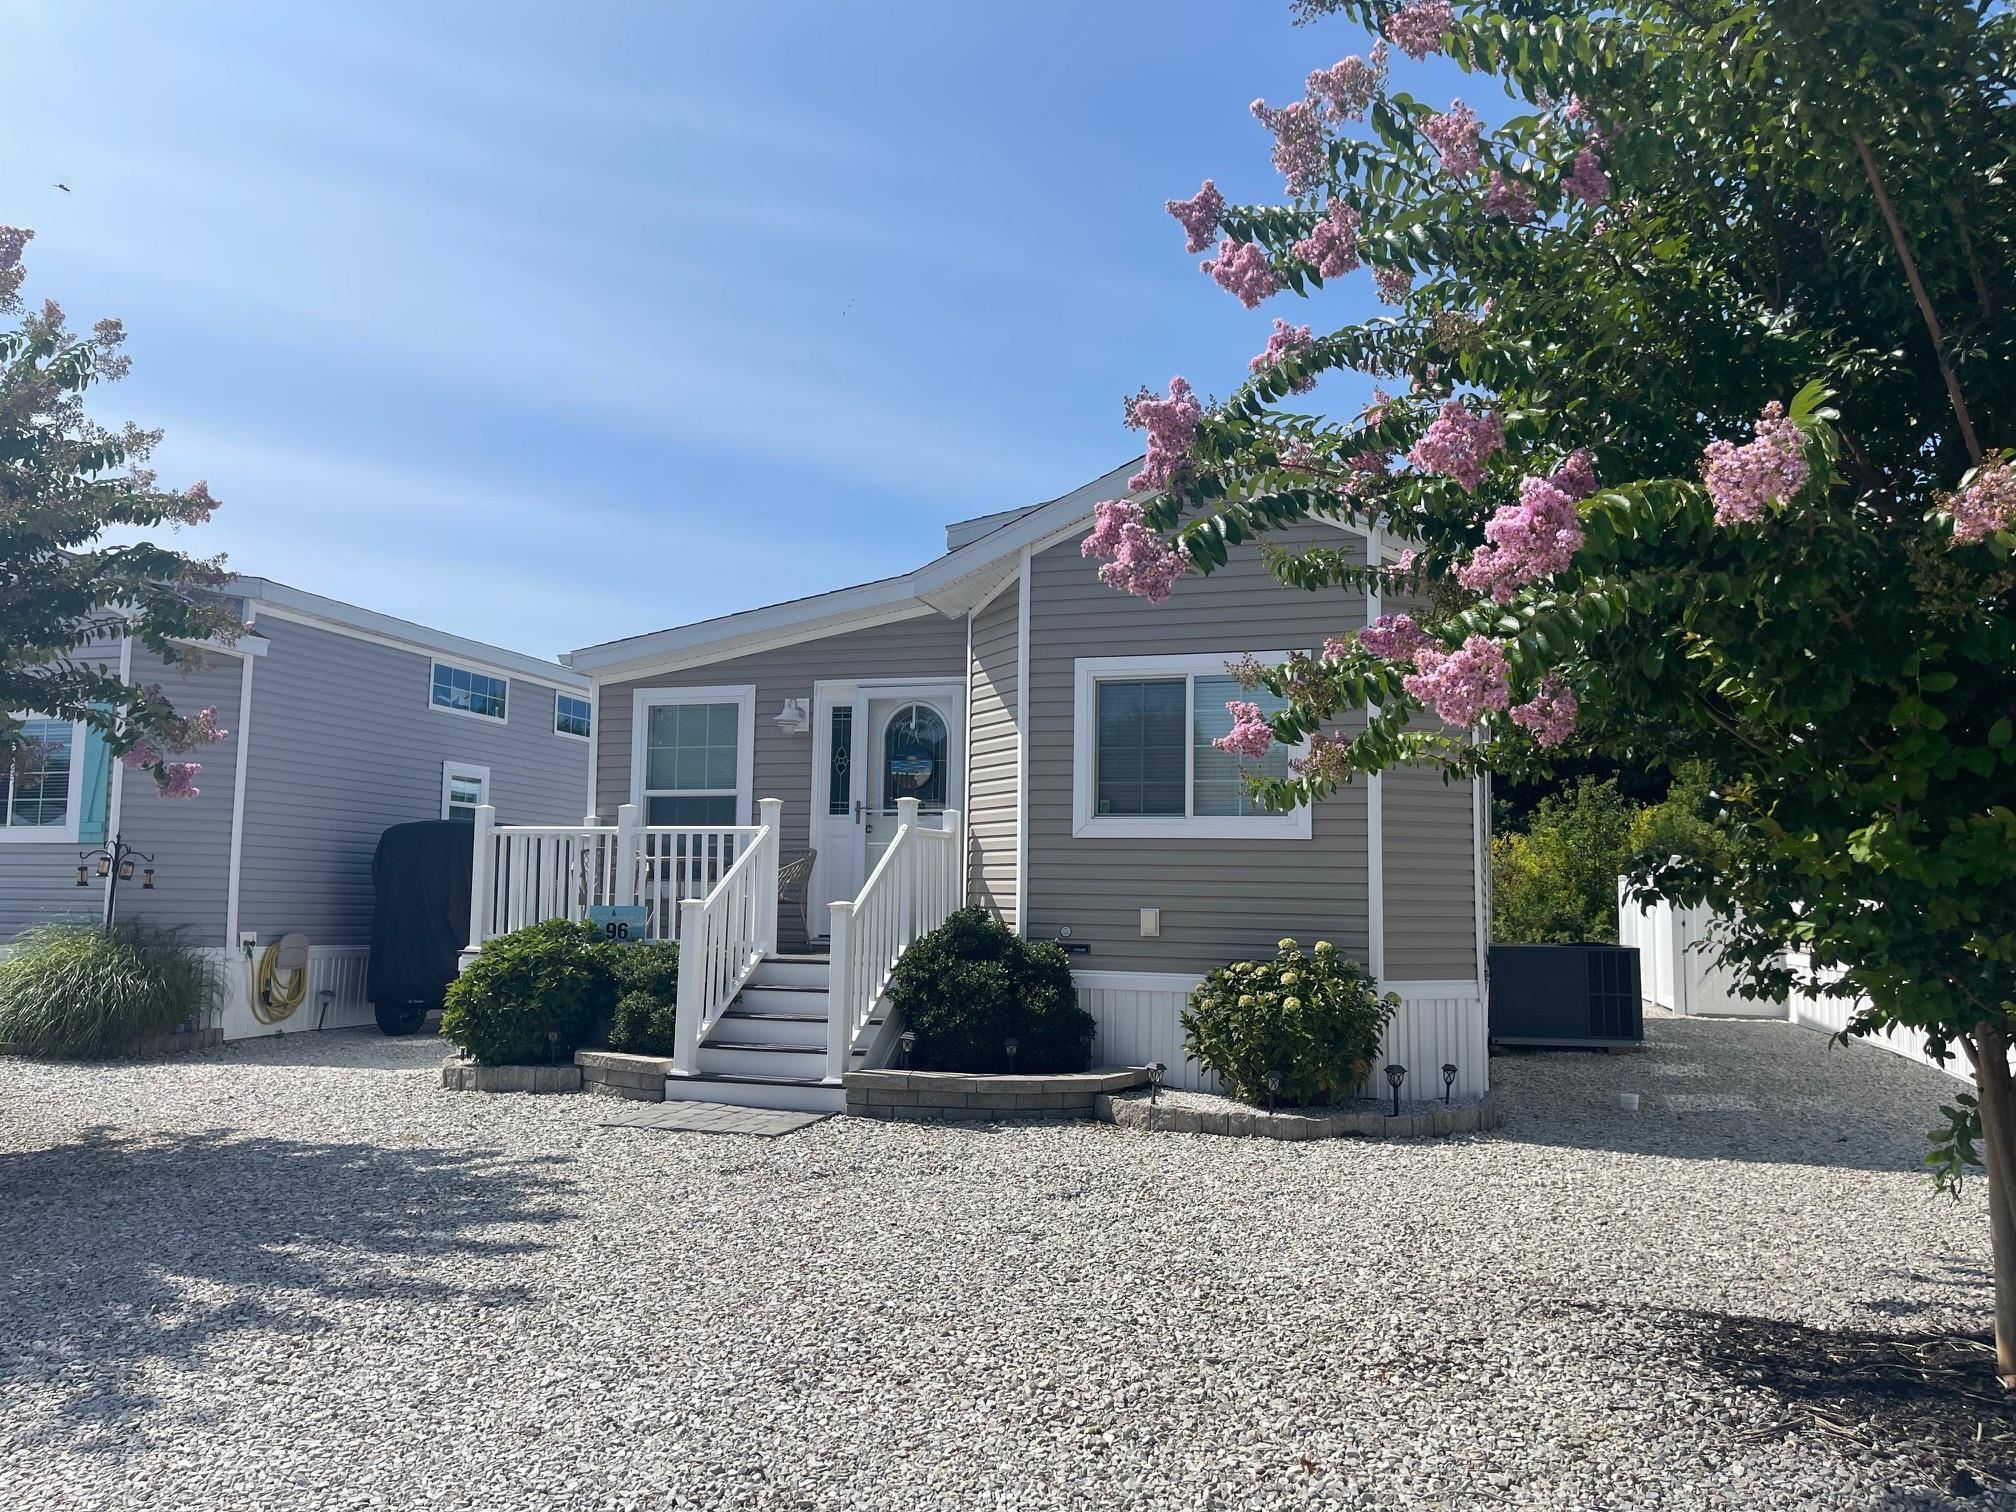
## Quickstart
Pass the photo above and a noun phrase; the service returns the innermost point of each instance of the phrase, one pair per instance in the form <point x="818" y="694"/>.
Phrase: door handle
<point x="857" y="810"/>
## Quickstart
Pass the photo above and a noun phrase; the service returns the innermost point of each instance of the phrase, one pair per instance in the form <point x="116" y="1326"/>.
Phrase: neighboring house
<point x="341" y="723"/>
<point x="1073" y="726"/>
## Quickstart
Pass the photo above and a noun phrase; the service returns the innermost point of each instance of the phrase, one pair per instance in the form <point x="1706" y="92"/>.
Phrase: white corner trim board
<point x="1022" y="750"/>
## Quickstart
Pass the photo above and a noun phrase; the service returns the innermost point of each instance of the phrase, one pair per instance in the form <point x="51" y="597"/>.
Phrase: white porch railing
<point x="918" y="882"/>
<point x="527" y="873"/>
<point x="724" y="936"/>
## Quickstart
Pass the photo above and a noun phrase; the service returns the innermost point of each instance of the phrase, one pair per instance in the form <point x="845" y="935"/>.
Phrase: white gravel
<point x="298" y="1275"/>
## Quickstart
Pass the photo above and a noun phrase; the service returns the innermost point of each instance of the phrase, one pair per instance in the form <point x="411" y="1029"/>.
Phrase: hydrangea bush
<point x="1696" y="415"/>
<point x="1313" y="1020"/>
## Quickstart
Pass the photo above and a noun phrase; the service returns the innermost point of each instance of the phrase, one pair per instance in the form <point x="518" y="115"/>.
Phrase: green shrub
<point x="76" y="990"/>
<point x="554" y="977"/>
<point x="1314" y="1019"/>
<point x="970" y="985"/>
<point x="1557" y="883"/>
<point x="647" y="983"/>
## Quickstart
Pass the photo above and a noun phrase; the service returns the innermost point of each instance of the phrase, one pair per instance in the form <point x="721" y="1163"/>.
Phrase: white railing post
<point x="906" y="897"/>
<point x="627" y="856"/>
<point x="770" y="813"/>
<point x="839" y="994"/>
<point x="480" y="875"/>
<point x="955" y="893"/>
<point x="692" y="985"/>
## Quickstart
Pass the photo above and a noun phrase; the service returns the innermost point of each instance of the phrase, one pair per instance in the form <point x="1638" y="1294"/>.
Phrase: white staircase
<point x="769" y="1048"/>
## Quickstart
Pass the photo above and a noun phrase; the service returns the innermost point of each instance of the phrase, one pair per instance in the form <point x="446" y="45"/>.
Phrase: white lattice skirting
<point x="340" y="969"/>
<point x="1139" y="1017"/>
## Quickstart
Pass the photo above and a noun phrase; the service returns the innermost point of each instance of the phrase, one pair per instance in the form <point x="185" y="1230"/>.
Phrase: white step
<point x="751" y="1092"/>
<point x="771" y="1028"/>
<point x="768" y="998"/>
<point x="791" y="971"/>
<point x="804" y="1059"/>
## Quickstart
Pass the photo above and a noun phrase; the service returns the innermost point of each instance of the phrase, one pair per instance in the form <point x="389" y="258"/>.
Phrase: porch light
<point x="794" y="718"/>
<point x="908" y="1040"/>
<point x="1011" y="1045"/>
<point x="1448" y="1078"/>
<point x="1396" y="1074"/>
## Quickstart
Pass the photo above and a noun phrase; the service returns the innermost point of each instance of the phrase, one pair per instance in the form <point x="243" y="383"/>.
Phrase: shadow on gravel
<point x="1926" y="1401"/>
<point x="132" y="1254"/>
<point x="1728" y="1090"/>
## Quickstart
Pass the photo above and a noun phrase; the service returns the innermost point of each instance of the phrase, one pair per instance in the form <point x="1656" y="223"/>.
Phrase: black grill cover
<point x="420" y="879"/>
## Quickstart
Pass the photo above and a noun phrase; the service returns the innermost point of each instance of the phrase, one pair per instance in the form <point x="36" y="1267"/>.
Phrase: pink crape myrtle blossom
<point x="1743" y="480"/>
<point x="1250" y="734"/>
<point x="1393" y="638"/>
<point x="178" y="780"/>
<point x="1199" y="215"/>
<point x="1392" y="284"/>
<point x="1286" y="341"/>
<point x="1535" y="538"/>
<point x="1461" y="685"/>
<point x="1328" y="758"/>
<point x="1550" y="714"/>
<point x="1987" y="504"/>
<point x="1298" y="143"/>
<point x="1508" y="198"/>
<point x="1419" y="26"/>
<point x="1576" y="476"/>
<point x="1348" y="88"/>
<point x="1458" y="444"/>
<point x="1138" y="560"/>
<point x="1455" y="137"/>
<point x="1587" y="180"/>
<point x="1331" y="247"/>
<point x="1172" y="433"/>
<point x="1242" y="270"/>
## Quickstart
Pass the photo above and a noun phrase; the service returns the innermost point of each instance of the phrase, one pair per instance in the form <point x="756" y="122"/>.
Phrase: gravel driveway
<point x="298" y="1275"/>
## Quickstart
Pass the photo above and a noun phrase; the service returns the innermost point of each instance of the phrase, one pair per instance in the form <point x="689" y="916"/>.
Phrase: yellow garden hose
<point x="271" y="1001"/>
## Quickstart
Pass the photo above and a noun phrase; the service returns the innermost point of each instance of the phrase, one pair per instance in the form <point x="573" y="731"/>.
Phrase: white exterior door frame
<point x="842" y="839"/>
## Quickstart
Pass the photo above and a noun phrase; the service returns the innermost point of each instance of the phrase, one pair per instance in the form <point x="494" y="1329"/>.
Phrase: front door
<point x="876" y="743"/>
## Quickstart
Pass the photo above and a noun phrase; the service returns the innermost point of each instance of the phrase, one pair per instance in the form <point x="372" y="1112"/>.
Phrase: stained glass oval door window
<point x="913" y="757"/>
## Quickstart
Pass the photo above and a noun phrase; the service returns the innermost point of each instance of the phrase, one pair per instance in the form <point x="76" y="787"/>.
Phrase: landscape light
<point x="1396" y="1074"/>
<point x="1448" y="1078"/>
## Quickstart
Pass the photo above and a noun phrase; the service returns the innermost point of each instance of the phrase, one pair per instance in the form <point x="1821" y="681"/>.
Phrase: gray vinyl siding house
<point x="334" y="736"/>
<point x="975" y="683"/>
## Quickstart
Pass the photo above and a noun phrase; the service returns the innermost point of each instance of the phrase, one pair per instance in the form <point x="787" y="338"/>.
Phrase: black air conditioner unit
<point x="1571" y="995"/>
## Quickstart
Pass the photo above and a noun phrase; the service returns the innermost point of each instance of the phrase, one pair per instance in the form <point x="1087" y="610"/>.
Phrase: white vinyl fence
<point x="1677" y="972"/>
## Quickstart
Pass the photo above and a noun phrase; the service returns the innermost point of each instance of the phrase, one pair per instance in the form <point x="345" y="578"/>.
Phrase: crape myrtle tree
<point x="1694" y="419"/>
<point x="65" y="480"/>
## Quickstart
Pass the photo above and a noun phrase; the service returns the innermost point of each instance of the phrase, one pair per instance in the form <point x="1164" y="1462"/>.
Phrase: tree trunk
<point x="1989" y="1049"/>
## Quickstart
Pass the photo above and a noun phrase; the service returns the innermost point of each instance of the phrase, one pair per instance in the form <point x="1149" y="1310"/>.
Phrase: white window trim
<point x="48" y="834"/>
<point x="1088" y="823"/>
<point x="450" y="770"/>
<point x="743" y="696"/>
<point x="559" y="694"/>
<point x="441" y="661"/>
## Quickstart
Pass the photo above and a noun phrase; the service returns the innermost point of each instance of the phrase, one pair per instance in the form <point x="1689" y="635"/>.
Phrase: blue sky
<point x="549" y="332"/>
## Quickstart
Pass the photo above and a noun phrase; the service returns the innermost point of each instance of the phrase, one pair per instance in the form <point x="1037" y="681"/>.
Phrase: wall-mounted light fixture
<point x="795" y="717"/>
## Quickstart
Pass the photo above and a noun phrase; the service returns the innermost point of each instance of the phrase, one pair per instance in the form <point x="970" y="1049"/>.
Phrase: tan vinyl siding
<point x="994" y="754"/>
<point x="930" y="645"/>
<point x="1221" y="900"/>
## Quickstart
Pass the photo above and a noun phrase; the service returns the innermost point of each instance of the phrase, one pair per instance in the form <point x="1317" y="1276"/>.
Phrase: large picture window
<point x="41" y="789"/>
<point x="1145" y="764"/>
<point x="692" y="757"/>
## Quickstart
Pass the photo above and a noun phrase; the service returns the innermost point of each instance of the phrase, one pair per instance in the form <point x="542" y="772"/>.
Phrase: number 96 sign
<point x="619" y="922"/>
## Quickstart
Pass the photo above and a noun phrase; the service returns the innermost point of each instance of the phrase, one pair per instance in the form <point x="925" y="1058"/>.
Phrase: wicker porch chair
<point x="794" y="884"/>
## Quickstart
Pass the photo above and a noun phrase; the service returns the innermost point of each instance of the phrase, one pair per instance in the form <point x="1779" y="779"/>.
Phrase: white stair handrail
<point x="724" y="936"/>
<point x="914" y="888"/>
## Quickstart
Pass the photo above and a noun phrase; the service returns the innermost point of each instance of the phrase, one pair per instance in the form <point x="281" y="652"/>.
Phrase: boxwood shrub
<point x="647" y="981"/>
<point x="80" y="991"/>
<point x="553" y="977"/>
<point x="1314" y="1019"/>
<point x="971" y="984"/>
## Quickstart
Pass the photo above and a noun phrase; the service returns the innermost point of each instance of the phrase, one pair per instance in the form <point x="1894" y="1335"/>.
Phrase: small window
<point x="840" y="761"/>
<point x="37" y="784"/>
<point x="570" y="715"/>
<point x="913" y="758"/>
<point x="465" y="788"/>
<point x="693" y="760"/>
<point x="462" y="691"/>
<point x="1144" y="761"/>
